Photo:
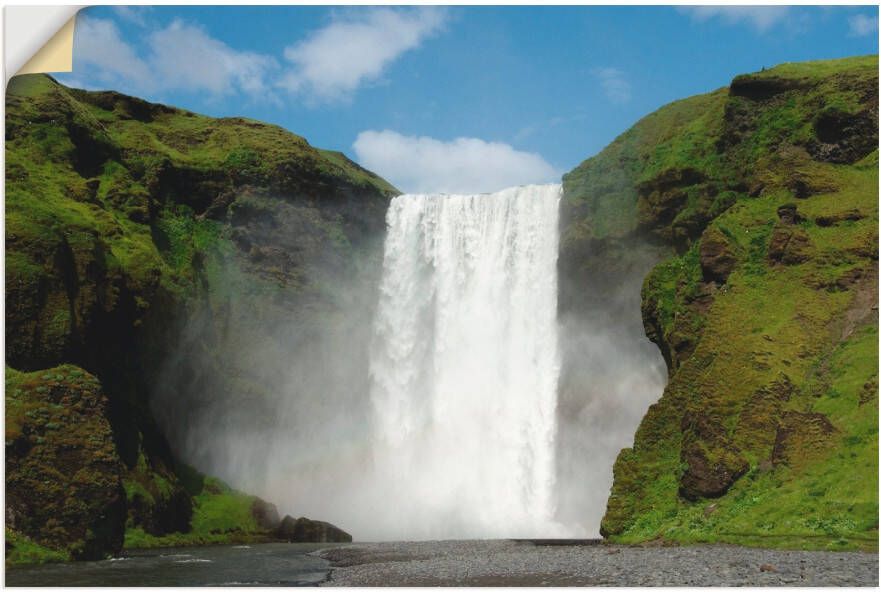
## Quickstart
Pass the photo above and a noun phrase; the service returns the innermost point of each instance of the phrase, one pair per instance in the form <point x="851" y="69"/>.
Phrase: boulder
<point x="788" y="214"/>
<point x="789" y="245"/>
<point x="717" y="256"/>
<point x="713" y="462"/>
<point x="63" y="474"/>
<point x="265" y="514"/>
<point x="303" y="530"/>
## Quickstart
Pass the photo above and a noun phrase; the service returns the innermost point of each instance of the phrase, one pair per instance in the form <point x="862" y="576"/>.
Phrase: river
<point x="271" y="564"/>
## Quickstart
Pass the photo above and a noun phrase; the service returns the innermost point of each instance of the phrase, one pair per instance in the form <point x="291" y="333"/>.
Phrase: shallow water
<point x="272" y="564"/>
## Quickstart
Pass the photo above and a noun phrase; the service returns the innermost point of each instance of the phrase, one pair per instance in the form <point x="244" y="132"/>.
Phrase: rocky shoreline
<point x="513" y="563"/>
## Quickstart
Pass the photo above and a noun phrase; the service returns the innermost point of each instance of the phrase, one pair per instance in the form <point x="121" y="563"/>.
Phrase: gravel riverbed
<point x="512" y="563"/>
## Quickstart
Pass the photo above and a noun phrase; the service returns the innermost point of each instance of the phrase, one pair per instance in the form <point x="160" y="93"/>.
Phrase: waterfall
<point x="464" y="366"/>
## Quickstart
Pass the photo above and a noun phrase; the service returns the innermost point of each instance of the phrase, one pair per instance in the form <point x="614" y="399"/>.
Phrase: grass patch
<point x="221" y="515"/>
<point x="21" y="550"/>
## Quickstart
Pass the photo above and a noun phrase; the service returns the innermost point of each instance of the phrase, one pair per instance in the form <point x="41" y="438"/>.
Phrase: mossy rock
<point x="712" y="461"/>
<point x="63" y="475"/>
<point x="789" y="245"/>
<point x="717" y="256"/>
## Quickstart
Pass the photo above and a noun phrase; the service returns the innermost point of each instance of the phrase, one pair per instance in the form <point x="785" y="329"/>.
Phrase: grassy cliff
<point x="759" y="203"/>
<point x="123" y="220"/>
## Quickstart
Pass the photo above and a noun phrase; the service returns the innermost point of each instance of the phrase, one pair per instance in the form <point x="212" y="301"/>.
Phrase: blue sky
<point x="450" y="99"/>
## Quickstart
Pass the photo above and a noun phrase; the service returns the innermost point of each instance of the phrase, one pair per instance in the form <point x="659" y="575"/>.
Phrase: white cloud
<point x="334" y="61"/>
<point x="761" y="18"/>
<point x="422" y="164"/>
<point x="328" y="65"/>
<point x="179" y="57"/>
<point x="862" y="25"/>
<point x="185" y="57"/>
<point x="615" y="86"/>
<point x="137" y="15"/>
<point x="99" y="46"/>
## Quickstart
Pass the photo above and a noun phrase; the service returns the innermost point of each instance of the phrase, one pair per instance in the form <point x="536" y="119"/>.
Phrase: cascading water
<point x="464" y="366"/>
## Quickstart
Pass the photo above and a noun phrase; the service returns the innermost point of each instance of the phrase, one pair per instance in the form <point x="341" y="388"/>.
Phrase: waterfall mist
<point x="611" y="375"/>
<point x="429" y="390"/>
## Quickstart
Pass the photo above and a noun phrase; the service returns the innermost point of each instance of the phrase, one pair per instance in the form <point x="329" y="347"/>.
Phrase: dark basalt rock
<point x="303" y="530"/>
<point x="789" y="245"/>
<point x="713" y="462"/>
<point x="164" y="511"/>
<point x="803" y="185"/>
<point x="762" y="88"/>
<point x="844" y="138"/>
<point x="717" y="256"/>
<point x="851" y="215"/>
<point x="662" y="197"/>
<point x="265" y="514"/>
<point x="788" y="214"/>
<point x="124" y="106"/>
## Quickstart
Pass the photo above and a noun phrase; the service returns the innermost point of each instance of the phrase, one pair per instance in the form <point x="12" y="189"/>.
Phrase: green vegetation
<point x="20" y="550"/>
<point x="766" y="312"/>
<point x="221" y="515"/>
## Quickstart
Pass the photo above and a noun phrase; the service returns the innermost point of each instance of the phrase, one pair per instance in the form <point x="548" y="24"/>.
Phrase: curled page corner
<point x="38" y="39"/>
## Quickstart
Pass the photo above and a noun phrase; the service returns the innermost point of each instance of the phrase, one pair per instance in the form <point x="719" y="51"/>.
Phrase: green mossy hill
<point x="124" y="219"/>
<point x="762" y="199"/>
<point x="112" y="200"/>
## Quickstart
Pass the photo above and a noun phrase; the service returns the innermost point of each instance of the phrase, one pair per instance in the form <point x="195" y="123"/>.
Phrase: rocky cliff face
<point x="121" y="217"/>
<point x="759" y="204"/>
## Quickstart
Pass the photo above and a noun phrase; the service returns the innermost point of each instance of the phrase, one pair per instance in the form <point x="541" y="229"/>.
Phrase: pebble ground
<point x="510" y="563"/>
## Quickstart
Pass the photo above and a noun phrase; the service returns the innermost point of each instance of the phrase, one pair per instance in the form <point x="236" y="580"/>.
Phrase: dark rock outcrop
<point x="265" y="514"/>
<point x="843" y="137"/>
<point x="789" y="245"/>
<point x="849" y="215"/>
<point x="63" y="474"/>
<point x="712" y="459"/>
<point x="759" y="87"/>
<point x="303" y="530"/>
<point x="788" y="214"/>
<point x="717" y="256"/>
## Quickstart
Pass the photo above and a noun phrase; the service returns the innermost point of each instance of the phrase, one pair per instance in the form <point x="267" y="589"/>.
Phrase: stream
<point x="270" y="564"/>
